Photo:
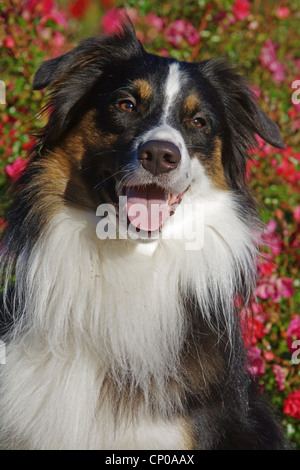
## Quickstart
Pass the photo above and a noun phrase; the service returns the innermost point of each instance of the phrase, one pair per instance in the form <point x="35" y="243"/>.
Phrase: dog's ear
<point x="69" y="78"/>
<point x="90" y="51"/>
<point x="242" y="118"/>
<point x="73" y="75"/>
<point x="88" y="55"/>
<point x="267" y="129"/>
<point x="53" y="69"/>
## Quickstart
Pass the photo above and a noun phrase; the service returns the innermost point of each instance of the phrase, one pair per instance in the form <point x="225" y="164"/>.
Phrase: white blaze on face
<point x="163" y="130"/>
<point x="172" y="89"/>
<point x="149" y="207"/>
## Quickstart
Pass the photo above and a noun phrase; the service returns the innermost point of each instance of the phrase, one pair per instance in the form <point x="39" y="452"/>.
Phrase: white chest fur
<point x="105" y="308"/>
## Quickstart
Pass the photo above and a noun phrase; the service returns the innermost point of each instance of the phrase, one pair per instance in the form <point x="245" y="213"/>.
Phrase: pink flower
<point x="278" y="71"/>
<point x="180" y="31"/>
<point x="266" y="268"/>
<point x="260" y="142"/>
<point x="287" y="167"/>
<point x="253" y="325"/>
<point x="111" y="20"/>
<point x="292" y="404"/>
<point x="192" y="35"/>
<point x="296" y="214"/>
<point x="57" y="41"/>
<point x="16" y="169"/>
<point x="269" y="355"/>
<point x="48" y="11"/>
<point x="44" y="6"/>
<point x="268" y="58"/>
<point x="176" y="32"/>
<point x="285" y="287"/>
<point x="272" y="239"/>
<point x="268" y="53"/>
<point x="271" y="226"/>
<point x="295" y="125"/>
<point x="9" y="42"/>
<point x="56" y="16"/>
<point x="241" y="9"/>
<point x="282" y="12"/>
<point x="297" y="63"/>
<point x="47" y="6"/>
<point x="293" y="333"/>
<point x="155" y="21"/>
<point x="279" y="376"/>
<point x="256" y="365"/>
<point x="275" y="289"/>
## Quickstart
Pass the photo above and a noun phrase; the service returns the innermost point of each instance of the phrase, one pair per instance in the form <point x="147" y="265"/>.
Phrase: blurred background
<point x="262" y="39"/>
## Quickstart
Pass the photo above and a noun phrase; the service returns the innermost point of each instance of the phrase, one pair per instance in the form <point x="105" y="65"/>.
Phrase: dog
<point x="121" y="324"/>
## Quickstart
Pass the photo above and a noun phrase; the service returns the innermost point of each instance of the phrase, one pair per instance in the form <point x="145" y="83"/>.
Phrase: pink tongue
<point x="147" y="208"/>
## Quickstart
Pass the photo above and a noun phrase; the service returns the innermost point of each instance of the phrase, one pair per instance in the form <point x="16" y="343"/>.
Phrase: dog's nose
<point x="159" y="156"/>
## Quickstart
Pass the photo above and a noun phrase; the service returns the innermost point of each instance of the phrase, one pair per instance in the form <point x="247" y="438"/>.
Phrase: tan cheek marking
<point x="60" y="176"/>
<point x="60" y="182"/>
<point x="214" y="167"/>
<point x="90" y="133"/>
<point x="144" y="88"/>
<point x="191" y="104"/>
<point x="49" y="185"/>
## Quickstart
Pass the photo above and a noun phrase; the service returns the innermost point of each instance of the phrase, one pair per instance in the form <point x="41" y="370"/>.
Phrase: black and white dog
<point x="122" y="328"/>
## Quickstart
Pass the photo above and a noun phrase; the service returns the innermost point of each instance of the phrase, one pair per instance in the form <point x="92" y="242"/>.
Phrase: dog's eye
<point x="198" y="122"/>
<point x="127" y="105"/>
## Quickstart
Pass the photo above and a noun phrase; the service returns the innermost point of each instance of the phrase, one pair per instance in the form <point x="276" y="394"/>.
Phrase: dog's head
<point x="147" y="127"/>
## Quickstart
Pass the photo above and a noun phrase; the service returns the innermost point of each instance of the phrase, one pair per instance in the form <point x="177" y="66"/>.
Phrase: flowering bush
<point x="264" y="44"/>
<point x="30" y="31"/>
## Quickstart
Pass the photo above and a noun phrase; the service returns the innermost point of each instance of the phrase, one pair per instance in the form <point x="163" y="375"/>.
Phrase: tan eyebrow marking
<point x="144" y="88"/>
<point x="192" y="103"/>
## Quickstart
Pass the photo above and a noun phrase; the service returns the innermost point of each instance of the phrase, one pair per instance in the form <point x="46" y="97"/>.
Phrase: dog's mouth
<point x="147" y="207"/>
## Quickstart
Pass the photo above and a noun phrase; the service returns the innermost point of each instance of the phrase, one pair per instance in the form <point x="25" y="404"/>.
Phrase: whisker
<point x="110" y="176"/>
<point x="106" y="179"/>
<point x="103" y="153"/>
<point x="129" y="168"/>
